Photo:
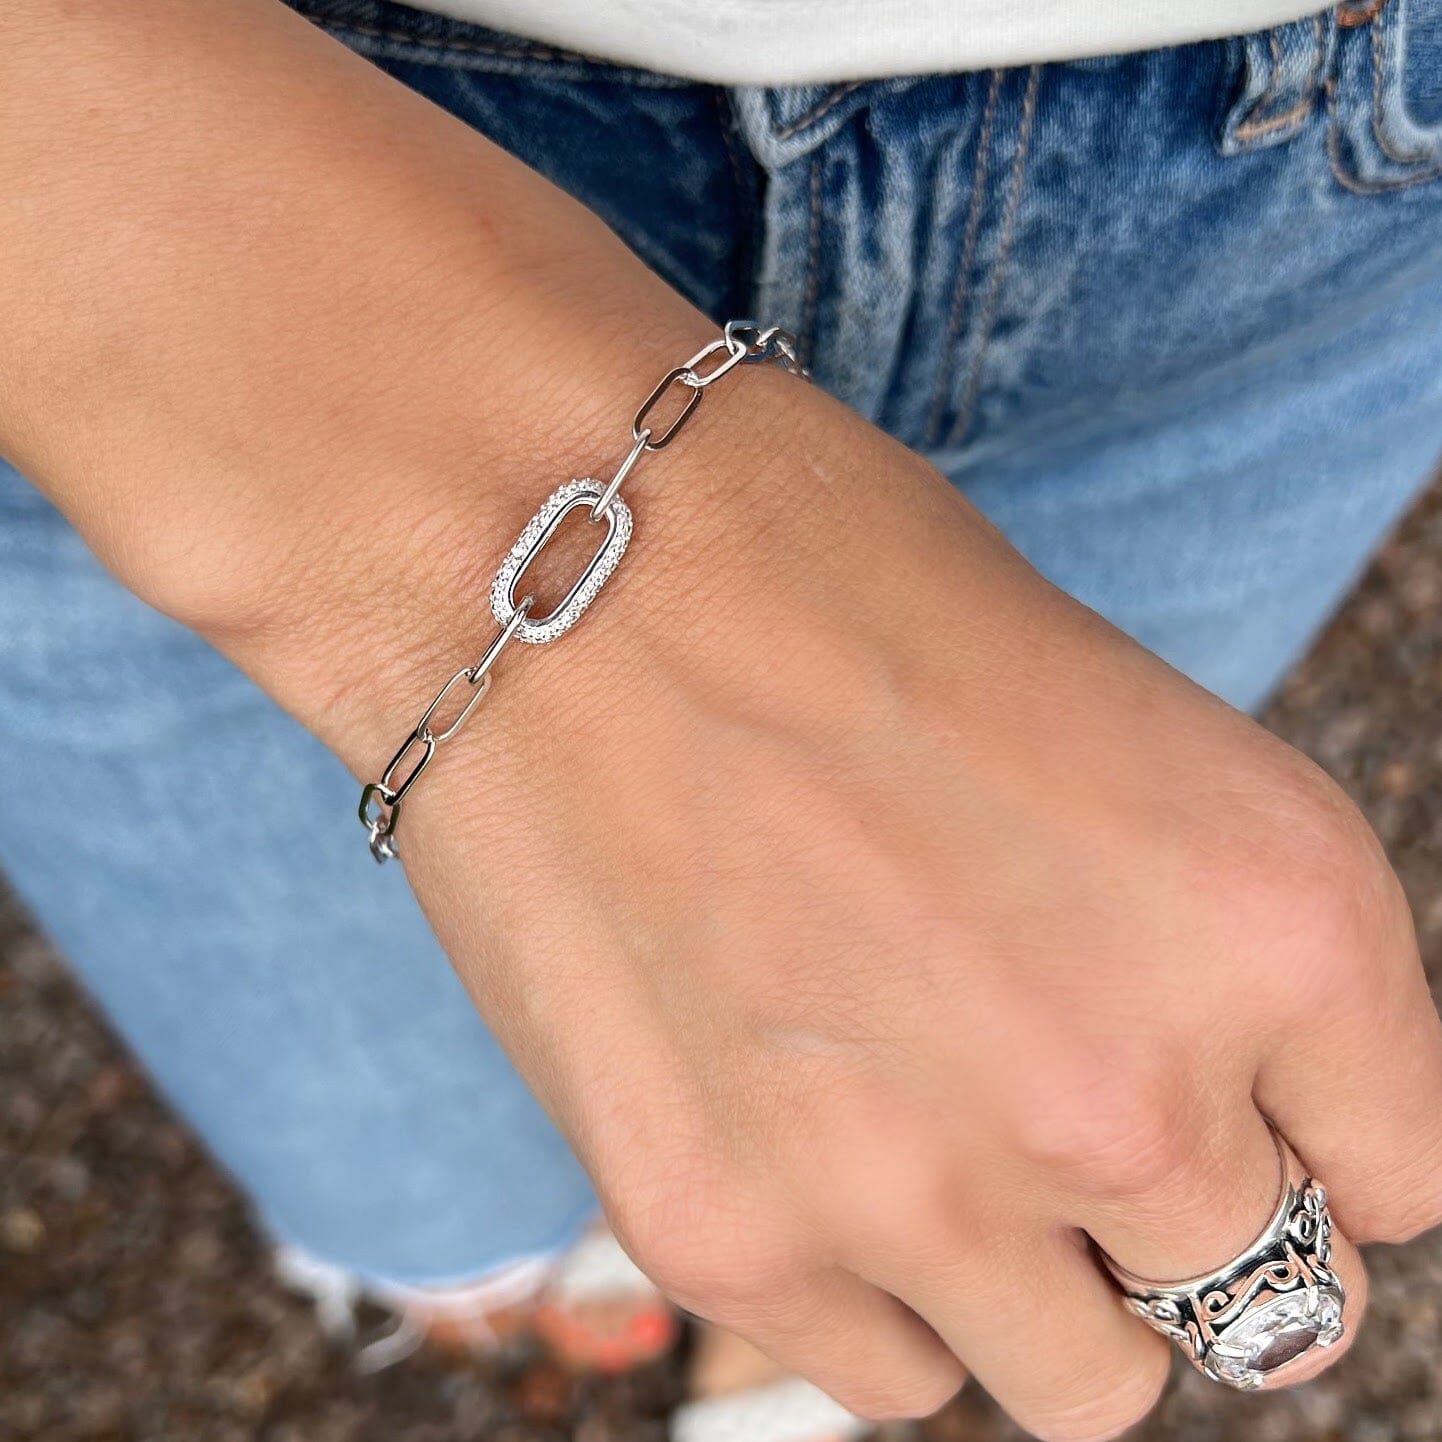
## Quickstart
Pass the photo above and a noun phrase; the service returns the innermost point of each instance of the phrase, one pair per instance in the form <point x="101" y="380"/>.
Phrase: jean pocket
<point x="1384" y="96"/>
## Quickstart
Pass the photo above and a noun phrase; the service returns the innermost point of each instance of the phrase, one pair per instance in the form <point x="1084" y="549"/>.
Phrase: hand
<point x="880" y="924"/>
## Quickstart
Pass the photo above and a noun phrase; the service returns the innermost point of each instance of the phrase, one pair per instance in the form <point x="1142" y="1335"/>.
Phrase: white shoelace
<point x="336" y="1293"/>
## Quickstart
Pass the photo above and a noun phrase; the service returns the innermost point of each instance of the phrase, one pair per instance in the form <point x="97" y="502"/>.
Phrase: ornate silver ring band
<point x="1272" y="1304"/>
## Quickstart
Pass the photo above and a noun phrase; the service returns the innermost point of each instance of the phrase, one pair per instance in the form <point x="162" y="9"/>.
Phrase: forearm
<point x="275" y="324"/>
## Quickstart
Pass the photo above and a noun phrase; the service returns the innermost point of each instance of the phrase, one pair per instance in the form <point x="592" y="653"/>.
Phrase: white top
<point x="801" y="42"/>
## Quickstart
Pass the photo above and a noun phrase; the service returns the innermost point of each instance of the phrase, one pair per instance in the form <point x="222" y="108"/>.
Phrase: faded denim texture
<point x="1173" y="320"/>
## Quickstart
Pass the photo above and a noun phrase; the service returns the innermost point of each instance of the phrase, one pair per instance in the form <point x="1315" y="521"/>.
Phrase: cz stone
<point x="1276" y="1333"/>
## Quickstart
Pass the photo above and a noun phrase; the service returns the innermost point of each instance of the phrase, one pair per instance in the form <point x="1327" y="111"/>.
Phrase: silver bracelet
<point x="743" y="342"/>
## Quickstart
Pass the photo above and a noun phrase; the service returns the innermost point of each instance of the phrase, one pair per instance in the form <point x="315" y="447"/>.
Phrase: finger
<point x="1357" y="1089"/>
<point x="1192" y="1192"/>
<point x="864" y="1348"/>
<point x="1270" y="1311"/>
<point x="1038" y="1325"/>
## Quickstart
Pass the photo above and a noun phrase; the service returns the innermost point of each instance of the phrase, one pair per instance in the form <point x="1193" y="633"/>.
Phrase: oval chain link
<point x="744" y="343"/>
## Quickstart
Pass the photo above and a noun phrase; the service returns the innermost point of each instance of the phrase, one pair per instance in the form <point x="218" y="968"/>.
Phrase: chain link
<point x="743" y="343"/>
<point x="598" y="511"/>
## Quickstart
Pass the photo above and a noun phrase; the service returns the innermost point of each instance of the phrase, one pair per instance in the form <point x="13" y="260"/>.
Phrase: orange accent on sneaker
<point x="654" y="1330"/>
<point x="647" y="1335"/>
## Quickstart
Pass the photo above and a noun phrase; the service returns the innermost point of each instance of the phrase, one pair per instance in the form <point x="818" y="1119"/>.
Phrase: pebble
<point x="22" y="1231"/>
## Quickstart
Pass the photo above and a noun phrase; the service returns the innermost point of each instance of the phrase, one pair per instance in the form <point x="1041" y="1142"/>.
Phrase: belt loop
<point x="1352" y="13"/>
<point x="1283" y="71"/>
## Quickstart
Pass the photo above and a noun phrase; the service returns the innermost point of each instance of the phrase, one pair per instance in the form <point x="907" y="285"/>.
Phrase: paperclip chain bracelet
<point x="743" y="343"/>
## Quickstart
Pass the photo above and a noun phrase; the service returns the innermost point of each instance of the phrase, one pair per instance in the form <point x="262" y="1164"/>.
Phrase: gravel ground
<point x="135" y="1300"/>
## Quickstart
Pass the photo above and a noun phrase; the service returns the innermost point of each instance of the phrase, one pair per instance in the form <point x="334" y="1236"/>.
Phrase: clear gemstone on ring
<point x="1276" y="1332"/>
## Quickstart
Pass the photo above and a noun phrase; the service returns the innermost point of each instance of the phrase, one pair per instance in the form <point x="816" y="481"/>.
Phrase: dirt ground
<point x="136" y="1304"/>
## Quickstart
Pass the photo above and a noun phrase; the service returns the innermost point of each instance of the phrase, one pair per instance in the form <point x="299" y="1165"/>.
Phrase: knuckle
<point x="1109" y="1135"/>
<point x="1327" y="879"/>
<point x="1320" y="901"/>
<point x="1355" y="907"/>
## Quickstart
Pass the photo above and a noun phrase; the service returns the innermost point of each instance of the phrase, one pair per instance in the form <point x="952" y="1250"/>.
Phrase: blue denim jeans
<point x="1173" y="320"/>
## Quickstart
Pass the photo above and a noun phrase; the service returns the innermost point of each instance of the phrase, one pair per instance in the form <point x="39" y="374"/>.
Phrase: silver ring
<point x="1272" y="1304"/>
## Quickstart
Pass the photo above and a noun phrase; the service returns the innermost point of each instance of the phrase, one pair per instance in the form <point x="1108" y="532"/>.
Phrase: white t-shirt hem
<point x="803" y="42"/>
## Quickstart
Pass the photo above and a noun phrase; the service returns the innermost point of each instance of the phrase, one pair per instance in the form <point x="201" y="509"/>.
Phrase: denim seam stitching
<point x="1274" y="45"/>
<point x="520" y="51"/>
<point x="1379" y="130"/>
<point x="813" y="262"/>
<point x="1254" y="126"/>
<point x="1355" y="183"/>
<point x="819" y="111"/>
<point x="998" y="270"/>
<point x="961" y="291"/>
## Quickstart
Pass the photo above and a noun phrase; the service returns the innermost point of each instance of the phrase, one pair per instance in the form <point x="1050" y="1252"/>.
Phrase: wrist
<point x="394" y="594"/>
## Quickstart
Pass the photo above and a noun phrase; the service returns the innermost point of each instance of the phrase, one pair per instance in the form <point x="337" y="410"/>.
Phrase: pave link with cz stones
<point x="742" y="342"/>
